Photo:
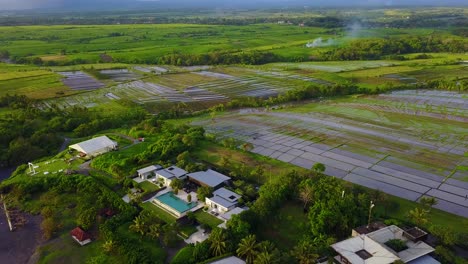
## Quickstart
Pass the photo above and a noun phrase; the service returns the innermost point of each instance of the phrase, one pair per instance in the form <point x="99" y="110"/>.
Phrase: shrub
<point x="184" y="256"/>
<point x="396" y="244"/>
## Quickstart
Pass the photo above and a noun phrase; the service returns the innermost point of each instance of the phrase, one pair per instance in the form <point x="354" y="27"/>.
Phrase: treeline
<point x="374" y="49"/>
<point x="176" y="58"/>
<point x="30" y="133"/>
<point x="363" y="49"/>
<point x="336" y="20"/>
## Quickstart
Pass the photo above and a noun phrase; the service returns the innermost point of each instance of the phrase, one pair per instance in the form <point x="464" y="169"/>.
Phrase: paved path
<point x="380" y="172"/>
<point x="198" y="236"/>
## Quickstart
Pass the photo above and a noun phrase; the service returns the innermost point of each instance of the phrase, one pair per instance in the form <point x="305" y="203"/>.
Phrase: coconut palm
<point x="268" y="257"/>
<point x="109" y="246"/>
<point x="428" y="202"/>
<point x="418" y="216"/>
<point x="218" y="242"/>
<point x="155" y="231"/>
<point x="304" y="252"/>
<point x="138" y="225"/>
<point x="306" y="195"/>
<point x="248" y="248"/>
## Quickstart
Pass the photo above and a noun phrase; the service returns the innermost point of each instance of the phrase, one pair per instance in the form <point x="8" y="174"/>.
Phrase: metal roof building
<point x="209" y="178"/>
<point x="95" y="146"/>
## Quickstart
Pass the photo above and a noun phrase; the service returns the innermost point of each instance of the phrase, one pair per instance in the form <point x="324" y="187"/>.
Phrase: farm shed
<point x="95" y="146"/>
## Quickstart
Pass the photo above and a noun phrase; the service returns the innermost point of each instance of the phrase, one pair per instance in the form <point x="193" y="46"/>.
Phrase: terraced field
<point x="409" y="143"/>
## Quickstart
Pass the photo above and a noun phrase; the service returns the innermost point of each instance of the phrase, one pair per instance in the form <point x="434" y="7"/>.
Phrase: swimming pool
<point x="175" y="202"/>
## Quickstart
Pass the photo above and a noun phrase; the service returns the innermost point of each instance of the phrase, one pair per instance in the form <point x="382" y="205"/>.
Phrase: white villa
<point x="169" y="174"/>
<point x="148" y="172"/>
<point x="223" y="200"/>
<point x="371" y="248"/>
<point x="95" y="146"/>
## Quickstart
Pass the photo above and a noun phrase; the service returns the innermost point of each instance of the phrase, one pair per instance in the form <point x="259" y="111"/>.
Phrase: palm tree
<point x="306" y="195"/>
<point x="268" y="257"/>
<point x="138" y="225"/>
<point x="304" y="252"/>
<point x="248" y="248"/>
<point x="109" y="246"/>
<point x="428" y="202"/>
<point x="418" y="216"/>
<point x="155" y="231"/>
<point x="266" y="246"/>
<point x="218" y="242"/>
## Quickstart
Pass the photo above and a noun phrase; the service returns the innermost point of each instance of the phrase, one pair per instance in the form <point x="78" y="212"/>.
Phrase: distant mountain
<point x="136" y="4"/>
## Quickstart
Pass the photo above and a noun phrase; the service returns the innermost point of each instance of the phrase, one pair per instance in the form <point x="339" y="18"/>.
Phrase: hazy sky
<point x="112" y="4"/>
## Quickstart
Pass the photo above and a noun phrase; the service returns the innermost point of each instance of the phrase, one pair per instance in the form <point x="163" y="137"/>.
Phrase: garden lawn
<point x="158" y="212"/>
<point x="148" y="187"/>
<point x="206" y="218"/>
<point x="435" y="216"/>
<point x="213" y="153"/>
<point x="187" y="230"/>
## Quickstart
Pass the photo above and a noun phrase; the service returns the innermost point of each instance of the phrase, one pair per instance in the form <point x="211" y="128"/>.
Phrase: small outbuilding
<point x="95" y="147"/>
<point x="80" y="236"/>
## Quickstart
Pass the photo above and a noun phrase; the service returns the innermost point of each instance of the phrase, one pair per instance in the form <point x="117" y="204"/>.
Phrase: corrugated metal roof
<point x="95" y="145"/>
<point x="209" y="177"/>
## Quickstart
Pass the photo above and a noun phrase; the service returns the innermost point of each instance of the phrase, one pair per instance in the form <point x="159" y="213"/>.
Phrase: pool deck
<point x="181" y="195"/>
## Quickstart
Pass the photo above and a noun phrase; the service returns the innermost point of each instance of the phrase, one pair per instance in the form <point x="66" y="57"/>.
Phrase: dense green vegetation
<point x="190" y="44"/>
<point x="295" y="213"/>
<point x="30" y="133"/>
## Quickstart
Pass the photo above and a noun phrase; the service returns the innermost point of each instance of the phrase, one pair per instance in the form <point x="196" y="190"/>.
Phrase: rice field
<point x="80" y="81"/>
<point x="409" y="150"/>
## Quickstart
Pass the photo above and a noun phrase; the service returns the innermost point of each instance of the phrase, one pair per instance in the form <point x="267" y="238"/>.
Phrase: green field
<point x="207" y="219"/>
<point x="147" y="41"/>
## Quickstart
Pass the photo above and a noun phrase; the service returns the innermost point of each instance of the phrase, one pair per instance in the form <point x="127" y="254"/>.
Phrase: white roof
<point x="223" y="202"/>
<point x="229" y="260"/>
<point x="232" y="212"/>
<point x="225" y="197"/>
<point x="94" y="145"/>
<point x="171" y="172"/>
<point x="149" y="169"/>
<point x="414" y="251"/>
<point x="209" y="177"/>
<point x="227" y="194"/>
<point x="349" y="247"/>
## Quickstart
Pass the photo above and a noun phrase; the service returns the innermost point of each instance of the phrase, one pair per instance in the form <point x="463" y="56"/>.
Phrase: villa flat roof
<point x="232" y="212"/>
<point x="209" y="177"/>
<point x="149" y="169"/>
<point x="172" y="172"/>
<point x="226" y="194"/>
<point x="415" y="249"/>
<point x="222" y="202"/>
<point x="350" y="247"/>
